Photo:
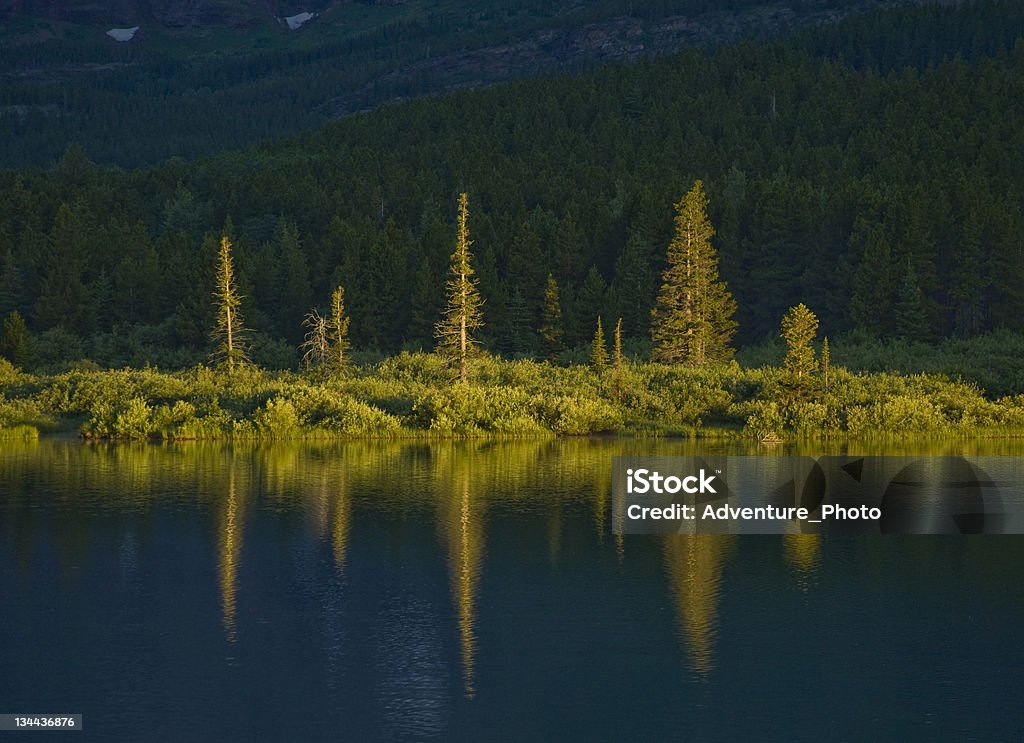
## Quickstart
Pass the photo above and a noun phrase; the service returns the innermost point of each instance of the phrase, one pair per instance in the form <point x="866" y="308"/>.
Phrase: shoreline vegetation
<point x="413" y="395"/>
<point x="692" y="387"/>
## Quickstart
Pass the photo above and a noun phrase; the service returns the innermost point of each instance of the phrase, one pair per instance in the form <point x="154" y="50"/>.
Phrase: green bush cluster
<point x="414" y="394"/>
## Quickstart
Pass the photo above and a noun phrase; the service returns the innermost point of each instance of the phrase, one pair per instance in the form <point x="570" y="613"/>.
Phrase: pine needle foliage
<point x="229" y="332"/>
<point x="693" y="318"/>
<point x="599" y="347"/>
<point x="799" y="327"/>
<point x="551" y="329"/>
<point x="337" y="329"/>
<point x="463" y="313"/>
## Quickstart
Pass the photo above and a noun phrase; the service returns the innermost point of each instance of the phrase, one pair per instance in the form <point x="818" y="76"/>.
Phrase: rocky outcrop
<point x="622" y="38"/>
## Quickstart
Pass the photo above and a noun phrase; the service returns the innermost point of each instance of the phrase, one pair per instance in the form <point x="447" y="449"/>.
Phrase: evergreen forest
<point x="860" y="181"/>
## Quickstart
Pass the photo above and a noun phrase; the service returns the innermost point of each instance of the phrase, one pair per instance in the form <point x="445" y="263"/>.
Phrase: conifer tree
<point x="551" y="330"/>
<point x="692" y="321"/>
<point x="326" y="341"/>
<point x="293" y="293"/>
<point x="617" y="362"/>
<point x="10" y="284"/>
<point x="587" y="304"/>
<point x="63" y="296"/>
<point x="617" y="345"/>
<point x="15" y="341"/>
<point x="634" y="284"/>
<point x="337" y="329"/>
<point x="518" y="339"/>
<point x="229" y="331"/>
<point x="826" y="361"/>
<point x="423" y="306"/>
<point x="969" y="286"/>
<point x="909" y="313"/>
<point x="599" y="347"/>
<point x="463" y="313"/>
<point x="799" y="327"/>
<point x="873" y="286"/>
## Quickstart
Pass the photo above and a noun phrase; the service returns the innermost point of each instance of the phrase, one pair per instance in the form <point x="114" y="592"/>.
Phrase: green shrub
<point x="8" y="372"/>
<point x="580" y="415"/>
<point x="277" y="419"/>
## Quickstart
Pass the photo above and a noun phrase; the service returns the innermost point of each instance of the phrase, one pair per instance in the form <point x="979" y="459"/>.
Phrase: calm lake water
<point x="474" y="591"/>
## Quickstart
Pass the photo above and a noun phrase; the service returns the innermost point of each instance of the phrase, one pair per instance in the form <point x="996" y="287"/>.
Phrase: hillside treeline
<point x="883" y="191"/>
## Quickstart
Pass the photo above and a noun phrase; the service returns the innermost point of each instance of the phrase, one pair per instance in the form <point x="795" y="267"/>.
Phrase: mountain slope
<point x="200" y="76"/>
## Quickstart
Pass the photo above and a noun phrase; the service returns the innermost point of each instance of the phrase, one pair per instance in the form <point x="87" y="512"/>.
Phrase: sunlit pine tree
<point x="693" y="318"/>
<point x="337" y="329"/>
<point x="826" y="361"/>
<point x="617" y="360"/>
<point x="599" y="347"/>
<point x="464" y="311"/>
<point x="229" y="331"/>
<point x="799" y="327"/>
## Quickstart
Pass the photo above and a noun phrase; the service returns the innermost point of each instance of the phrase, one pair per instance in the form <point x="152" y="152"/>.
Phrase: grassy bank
<point x="414" y="395"/>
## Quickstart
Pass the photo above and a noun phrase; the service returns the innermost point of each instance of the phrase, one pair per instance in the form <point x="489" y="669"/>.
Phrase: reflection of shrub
<point x="18" y="432"/>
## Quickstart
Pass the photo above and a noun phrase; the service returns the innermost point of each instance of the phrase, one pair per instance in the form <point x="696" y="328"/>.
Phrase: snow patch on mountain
<point x="297" y="21"/>
<point x="122" y="34"/>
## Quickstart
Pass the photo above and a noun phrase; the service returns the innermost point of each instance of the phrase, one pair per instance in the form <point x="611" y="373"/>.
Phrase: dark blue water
<point x="374" y="591"/>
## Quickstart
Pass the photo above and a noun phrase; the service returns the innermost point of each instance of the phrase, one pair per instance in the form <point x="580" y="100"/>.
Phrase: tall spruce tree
<point x="229" y="330"/>
<point x="337" y="330"/>
<point x="424" y="303"/>
<point x="617" y="361"/>
<point x="799" y="327"/>
<point x="463" y="313"/>
<point x="15" y="341"/>
<point x="551" y="330"/>
<point x="587" y="305"/>
<point x="909" y="315"/>
<point x="826" y="361"/>
<point x="599" y="347"/>
<point x="873" y="283"/>
<point x="634" y="285"/>
<point x="693" y="319"/>
<point x="518" y="337"/>
<point x="293" y="293"/>
<point x="10" y="284"/>
<point x="63" y="295"/>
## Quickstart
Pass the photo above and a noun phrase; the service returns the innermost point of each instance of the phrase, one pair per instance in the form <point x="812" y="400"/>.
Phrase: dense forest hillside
<point x="194" y="78"/>
<point x="881" y="187"/>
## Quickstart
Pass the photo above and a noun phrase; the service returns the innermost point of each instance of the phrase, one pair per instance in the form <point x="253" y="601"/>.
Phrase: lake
<point x="474" y="591"/>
